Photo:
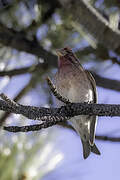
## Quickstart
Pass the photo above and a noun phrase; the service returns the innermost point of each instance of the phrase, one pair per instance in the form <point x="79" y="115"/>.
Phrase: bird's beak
<point x="59" y="53"/>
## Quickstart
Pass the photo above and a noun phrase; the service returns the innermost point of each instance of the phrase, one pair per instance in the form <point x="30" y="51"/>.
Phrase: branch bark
<point x="58" y="114"/>
<point x="51" y="116"/>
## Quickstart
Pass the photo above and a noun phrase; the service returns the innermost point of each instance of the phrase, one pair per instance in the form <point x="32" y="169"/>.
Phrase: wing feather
<point x="93" y="118"/>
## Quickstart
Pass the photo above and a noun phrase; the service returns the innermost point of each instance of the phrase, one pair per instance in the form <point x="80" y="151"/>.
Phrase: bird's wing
<point x="93" y="118"/>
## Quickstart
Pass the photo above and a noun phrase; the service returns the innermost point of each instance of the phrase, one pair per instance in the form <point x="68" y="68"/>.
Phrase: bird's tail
<point x="87" y="148"/>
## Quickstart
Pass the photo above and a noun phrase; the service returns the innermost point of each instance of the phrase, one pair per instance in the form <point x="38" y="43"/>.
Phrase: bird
<point x="77" y="85"/>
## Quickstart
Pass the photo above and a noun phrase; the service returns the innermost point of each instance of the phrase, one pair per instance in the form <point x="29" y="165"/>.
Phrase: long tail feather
<point x="87" y="148"/>
<point x="95" y="150"/>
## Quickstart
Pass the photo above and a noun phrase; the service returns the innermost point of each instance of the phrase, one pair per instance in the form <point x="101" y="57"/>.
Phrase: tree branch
<point x="106" y="82"/>
<point x="108" y="138"/>
<point x="55" y="93"/>
<point x="51" y="7"/>
<point x="24" y="70"/>
<point x="28" y="128"/>
<point x="4" y="4"/>
<point x="58" y="114"/>
<point x="52" y="116"/>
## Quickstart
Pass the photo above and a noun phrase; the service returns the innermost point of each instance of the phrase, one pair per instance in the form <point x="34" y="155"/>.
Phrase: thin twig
<point x="107" y="138"/>
<point x="55" y="92"/>
<point x="28" y="128"/>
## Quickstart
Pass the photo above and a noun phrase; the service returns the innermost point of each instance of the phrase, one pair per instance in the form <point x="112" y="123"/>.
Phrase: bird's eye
<point x="67" y="50"/>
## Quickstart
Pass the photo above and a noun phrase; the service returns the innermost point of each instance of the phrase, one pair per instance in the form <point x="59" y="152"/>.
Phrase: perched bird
<point x="77" y="85"/>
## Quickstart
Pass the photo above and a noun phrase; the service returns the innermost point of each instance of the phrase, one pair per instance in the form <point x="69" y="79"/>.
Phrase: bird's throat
<point x="63" y="62"/>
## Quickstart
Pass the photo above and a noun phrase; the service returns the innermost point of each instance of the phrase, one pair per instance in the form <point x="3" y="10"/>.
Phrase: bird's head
<point x="66" y="57"/>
